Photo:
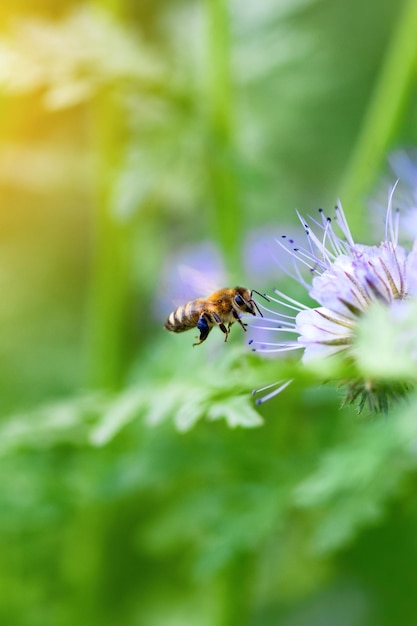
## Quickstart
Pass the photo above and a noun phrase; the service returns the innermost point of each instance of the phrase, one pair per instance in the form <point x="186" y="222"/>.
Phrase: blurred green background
<point x="138" y="485"/>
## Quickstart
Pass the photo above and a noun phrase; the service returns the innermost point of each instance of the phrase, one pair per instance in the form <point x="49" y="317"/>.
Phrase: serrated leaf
<point x="52" y="424"/>
<point x="120" y="412"/>
<point x="237" y="411"/>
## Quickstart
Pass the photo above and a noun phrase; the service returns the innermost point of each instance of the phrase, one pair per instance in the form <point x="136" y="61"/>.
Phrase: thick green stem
<point x="238" y="591"/>
<point x="383" y="114"/>
<point x="110" y="280"/>
<point x="110" y="263"/>
<point x="108" y="304"/>
<point x="227" y="225"/>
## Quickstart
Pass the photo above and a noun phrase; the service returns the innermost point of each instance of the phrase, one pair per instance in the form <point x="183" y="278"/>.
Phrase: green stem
<point x="227" y="225"/>
<point x="384" y="112"/>
<point x="110" y="279"/>
<point x="238" y="591"/>
<point x="108" y="300"/>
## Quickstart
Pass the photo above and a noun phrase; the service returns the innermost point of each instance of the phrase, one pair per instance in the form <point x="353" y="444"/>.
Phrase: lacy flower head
<point x="347" y="280"/>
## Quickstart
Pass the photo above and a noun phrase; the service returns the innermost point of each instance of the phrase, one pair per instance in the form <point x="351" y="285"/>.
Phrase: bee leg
<point x="220" y="324"/>
<point x="204" y="328"/>
<point x="237" y="318"/>
<point x="225" y="330"/>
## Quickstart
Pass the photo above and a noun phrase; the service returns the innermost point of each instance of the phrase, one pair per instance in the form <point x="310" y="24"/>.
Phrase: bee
<point x="222" y="308"/>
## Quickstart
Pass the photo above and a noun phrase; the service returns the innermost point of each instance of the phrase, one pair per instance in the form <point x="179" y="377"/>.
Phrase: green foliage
<point x="139" y="482"/>
<point x="70" y="60"/>
<point x="223" y="393"/>
<point x="354" y="480"/>
<point x="386" y="343"/>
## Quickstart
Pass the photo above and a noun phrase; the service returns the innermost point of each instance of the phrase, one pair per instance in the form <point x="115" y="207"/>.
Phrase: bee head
<point x="244" y="302"/>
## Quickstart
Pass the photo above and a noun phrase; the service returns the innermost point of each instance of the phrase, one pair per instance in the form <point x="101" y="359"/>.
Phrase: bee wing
<point x="193" y="273"/>
<point x="200" y="283"/>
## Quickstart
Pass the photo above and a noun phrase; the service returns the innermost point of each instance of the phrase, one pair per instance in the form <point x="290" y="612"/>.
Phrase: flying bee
<point x="222" y="308"/>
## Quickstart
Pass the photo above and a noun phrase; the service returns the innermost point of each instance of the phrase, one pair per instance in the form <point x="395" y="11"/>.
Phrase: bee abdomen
<point x="183" y="318"/>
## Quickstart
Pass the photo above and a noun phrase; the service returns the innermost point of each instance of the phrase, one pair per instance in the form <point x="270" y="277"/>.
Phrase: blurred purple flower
<point x="403" y="164"/>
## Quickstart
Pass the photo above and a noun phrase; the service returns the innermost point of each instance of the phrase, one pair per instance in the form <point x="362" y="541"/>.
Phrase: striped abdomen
<point x="185" y="317"/>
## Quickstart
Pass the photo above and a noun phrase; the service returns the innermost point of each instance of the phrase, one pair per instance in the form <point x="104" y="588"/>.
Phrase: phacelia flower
<point x="345" y="279"/>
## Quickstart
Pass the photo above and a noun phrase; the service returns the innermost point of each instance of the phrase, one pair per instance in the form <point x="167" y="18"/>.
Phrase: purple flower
<point x="347" y="278"/>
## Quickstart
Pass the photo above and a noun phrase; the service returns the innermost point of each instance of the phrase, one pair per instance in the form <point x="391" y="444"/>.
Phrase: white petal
<point x="319" y="351"/>
<point x="322" y="323"/>
<point x="335" y="287"/>
<point x="383" y="267"/>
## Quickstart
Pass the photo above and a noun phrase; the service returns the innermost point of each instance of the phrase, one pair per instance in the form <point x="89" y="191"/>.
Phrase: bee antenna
<point x="257" y="308"/>
<point x="263" y="295"/>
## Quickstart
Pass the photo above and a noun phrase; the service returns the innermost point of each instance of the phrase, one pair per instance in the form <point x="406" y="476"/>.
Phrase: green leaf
<point x="353" y="482"/>
<point x="237" y="411"/>
<point x="386" y="342"/>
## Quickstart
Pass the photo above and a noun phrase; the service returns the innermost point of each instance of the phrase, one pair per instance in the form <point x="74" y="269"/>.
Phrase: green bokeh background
<point x="137" y="483"/>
